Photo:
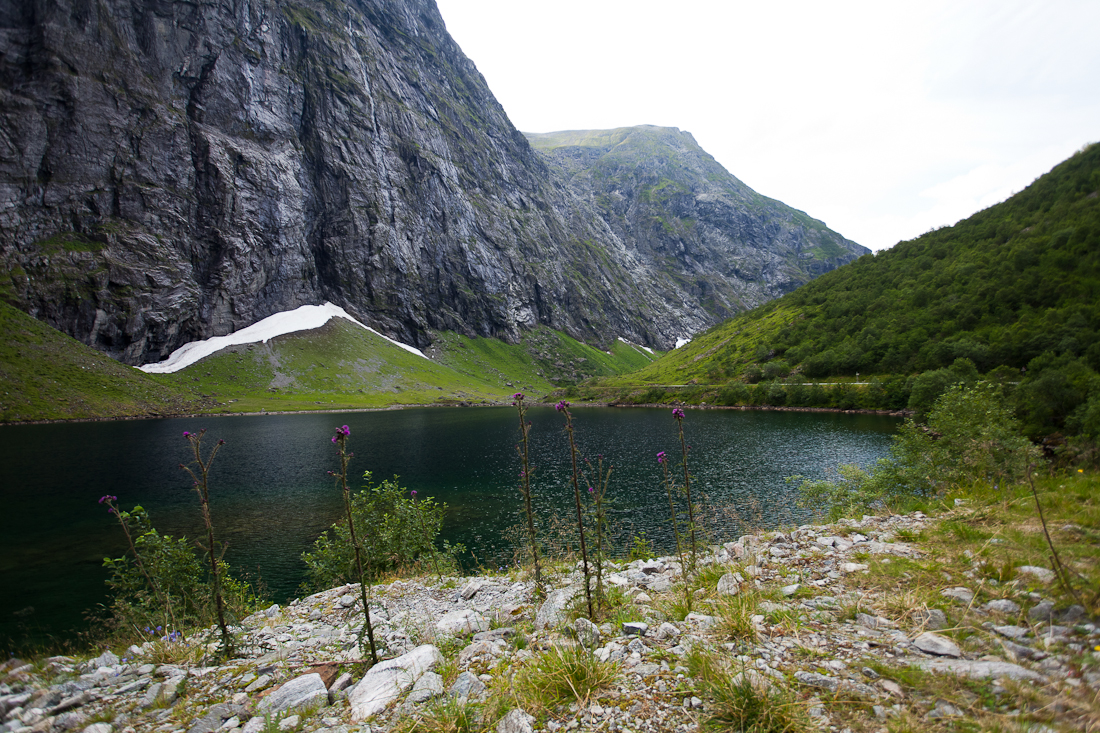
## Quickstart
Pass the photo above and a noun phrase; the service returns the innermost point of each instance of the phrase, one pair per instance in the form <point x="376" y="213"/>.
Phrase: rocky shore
<point x="852" y="658"/>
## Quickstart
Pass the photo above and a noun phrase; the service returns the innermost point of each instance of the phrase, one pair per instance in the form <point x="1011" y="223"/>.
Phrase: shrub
<point x="402" y="537"/>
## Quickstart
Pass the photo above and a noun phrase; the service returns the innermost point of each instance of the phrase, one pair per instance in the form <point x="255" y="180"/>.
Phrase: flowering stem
<point x="341" y="439"/>
<point x="202" y="488"/>
<point x="679" y="415"/>
<point x="563" y="407"/>
<point x="525" y="485"/>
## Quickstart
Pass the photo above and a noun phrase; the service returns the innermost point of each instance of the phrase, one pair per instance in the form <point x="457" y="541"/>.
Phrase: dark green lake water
<point x="271" y="495"/>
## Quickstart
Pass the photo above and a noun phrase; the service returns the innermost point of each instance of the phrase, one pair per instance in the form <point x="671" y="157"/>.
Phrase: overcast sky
<point x="882" y="119"/>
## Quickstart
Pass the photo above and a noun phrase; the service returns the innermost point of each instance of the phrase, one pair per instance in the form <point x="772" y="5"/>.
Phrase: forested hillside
<point x="1013" y="293"/>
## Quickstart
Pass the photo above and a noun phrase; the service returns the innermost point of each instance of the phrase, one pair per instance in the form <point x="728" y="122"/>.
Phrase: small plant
<point x="562" y="675"/>
<point x="199" y="470"/>
<point x="735" y="617"/>
<point x="642" y="548"/>
<point x="744" y="700"/>
<point x="563" y="407"/>
<point x="341" y="440"/>
<point x="597" y="479"/>
<point x="678" y="414"/>
<point x="524" y="451"/>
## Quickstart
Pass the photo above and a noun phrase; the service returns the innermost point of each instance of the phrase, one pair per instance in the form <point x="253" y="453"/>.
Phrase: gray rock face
<point x="588" y="634"/>
<point x="384" y="682"/>
<point x="979" y="669"/>
<point x="552" y="611"/>
<point x="467" y="685"/>
<point x="516" y="721"/>
<point x="178" y="170"/>
<point x="936" y="644"/>
<point x="459" y="623"/>
<point x="299" y="692"/>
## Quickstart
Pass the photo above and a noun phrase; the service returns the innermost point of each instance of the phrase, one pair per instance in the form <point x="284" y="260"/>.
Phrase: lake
<point x="271" y="495"/>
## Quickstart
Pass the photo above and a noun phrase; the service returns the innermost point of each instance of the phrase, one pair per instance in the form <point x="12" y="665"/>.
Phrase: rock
<point x="588" y="634"/>
<point x="551" y="613"/>
<point x="935" y="644"/>
<point x="214" y="718"/>
<point x="852" y="567"/>
<point x="327" y="671"/>
<point x="667" y="631"/>
<point x="516" y="721"/>
<point x="635" y="628"/>
<point x="467" y="685"/>
<point x="1012" y="632"/>
<point x="643" y="598"/>
<point x="1042" y="575"/>
<point x="290" y="722"/>
<point x="1003" y="605"/>
<point x="789" y="590"/>
<point x="729" y="584"/>
<point x="308" y="689"/>
<point x="346" y="601"/>
<point x="872" y="622"/>
<point x="259" y="683"/>
<point x="430" y="685"/>
<point x="1070" y="615"/>
<point x="701" y="620"/>
<point x="384" y="682"/>
<point x="1041" y="613"/>
<point x="932" y="618"/>
<point x="963" y="595"/>
<point x="462" y="622"/>
<point x="471" y="589"/>
<point x="502" y="632"/>
<point x="820" y="681"/>
<point x="979" y="669"/>
<point x="477" y="649"/>
<point x="99" y="728"/>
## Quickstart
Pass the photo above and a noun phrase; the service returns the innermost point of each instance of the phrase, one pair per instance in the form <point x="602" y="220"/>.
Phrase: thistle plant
<point x="597" y="479"/>
<point x="524" y="451"/>
<point x="662" y="460"/>
<point x="678" y="414"/>
<point x="341" y="441"/>
<point x="563" y="407"/>
<point x="199" y="470"/>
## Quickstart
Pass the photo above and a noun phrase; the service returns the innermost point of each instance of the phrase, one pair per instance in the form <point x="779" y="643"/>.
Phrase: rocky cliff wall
<point x="171" y="171"/>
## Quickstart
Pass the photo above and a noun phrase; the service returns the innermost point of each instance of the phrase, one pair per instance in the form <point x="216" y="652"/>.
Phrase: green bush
<point x="399" y="534"/>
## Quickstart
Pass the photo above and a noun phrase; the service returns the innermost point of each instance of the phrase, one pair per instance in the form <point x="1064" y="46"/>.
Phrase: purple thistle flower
<point x="517" y="396"/>
<point x="678" y="413"/>
<point x="661" y="457"/>
<point x="334" y="439"/>
<point x="561" y="406"/>
<point x="186" y="434"/>
<point x="591" y="490"/>
<point x="221" y="442"/>
<point x="413" y="492"/>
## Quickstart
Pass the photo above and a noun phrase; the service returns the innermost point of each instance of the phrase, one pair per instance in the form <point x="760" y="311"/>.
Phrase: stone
<point x="516" y="721"/>
<point x="462" y="622"/>
<point x="935" y="644"/>
<point x="551" y="613"/>
<point x="467" y="685"/>
<point x="588" y="634"/>
<point x="1043" y="575"/>
<point x="789" y="590"/>
<point x="1070" y="615"/>
<point x="303" y="691"/>
<point x="385" y="681"/>
<point x="1041" y="613"/>
<point x="346" y="601"/>
<point x="642" y="598"/>
<point x="1012" y="632"/>
<point x="259" y="683"/>
<point x="979" y="669"/>
<point x="634" y="628"/>
<point x="963" y="595"/>
<point x="477" y="649"/>
<point x="701" y="620"/>
<point x="290" y="722"/>
<point x="214" y="717"/>
<point x="471" y="589"/>
<point x="99" y="728"/>
<point x="666" y="631"/>
<point x="932" y="618"/>
<point x="729" y="584"/>
<point x="503" y="632"/>
<point x="429" y="686"/>
<point x="852" y="567"/>
<point x="1003" y="605"/>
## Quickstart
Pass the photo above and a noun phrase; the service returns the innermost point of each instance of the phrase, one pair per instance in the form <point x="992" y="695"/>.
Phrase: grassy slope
<point x="1002" y="287"/>
<point x="45" y="375"/>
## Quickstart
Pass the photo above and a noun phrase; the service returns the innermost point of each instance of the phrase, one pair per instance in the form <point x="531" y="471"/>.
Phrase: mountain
<point x="172" y="171"/>
<point x="1012" y="292"/>
<point x="703" y="238"/>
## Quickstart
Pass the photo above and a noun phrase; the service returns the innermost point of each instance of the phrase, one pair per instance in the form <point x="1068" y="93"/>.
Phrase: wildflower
<point x="345" y="431"/>
<point x="517" y="396"/>
<point x="661" y="457"/>
<point x="186" y="434"/>
<point x="333" y="440"/>
<point x="561" y="406"/>
<point x="413" y="492"/>
<point x="591" y="490"/>
<point x="678" y="413"/>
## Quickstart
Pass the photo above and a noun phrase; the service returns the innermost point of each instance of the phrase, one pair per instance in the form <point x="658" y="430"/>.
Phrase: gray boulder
<point x="516" y="721"/>
<point x="430" y="685"/>
<point x="384" y="682"/>
<point x="462" y="622"/>
<point x="467" y="685"/>
<point x="588" y="634"/>
<point x="935" y="644"/>
<point x="309" y="689"/>
<point x="552" y="611"/>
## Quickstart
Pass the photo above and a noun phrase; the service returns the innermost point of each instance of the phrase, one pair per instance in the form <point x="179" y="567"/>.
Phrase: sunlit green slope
<point x="1001" y="288"/>
<point x="45" y="375"/>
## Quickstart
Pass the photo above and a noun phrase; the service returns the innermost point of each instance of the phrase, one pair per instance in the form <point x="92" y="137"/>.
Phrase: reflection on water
<point x="271" y="495"/>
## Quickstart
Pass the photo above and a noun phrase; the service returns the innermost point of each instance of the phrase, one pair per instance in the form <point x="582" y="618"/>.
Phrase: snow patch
<point x="305" y="318"/>
<point x="682" y="342"/>
<point x="636" y="346"/>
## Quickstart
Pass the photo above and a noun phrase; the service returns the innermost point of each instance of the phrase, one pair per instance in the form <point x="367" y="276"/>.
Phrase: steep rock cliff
<point x="171" y="171"/>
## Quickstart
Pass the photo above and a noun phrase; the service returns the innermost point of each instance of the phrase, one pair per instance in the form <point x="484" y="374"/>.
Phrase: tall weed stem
<point x="199" y="470"/>
<point x="524" y="451"/>
<point x="684" y="448"/>
<point x="341" y="441"/>
<point x="563" y="407"/>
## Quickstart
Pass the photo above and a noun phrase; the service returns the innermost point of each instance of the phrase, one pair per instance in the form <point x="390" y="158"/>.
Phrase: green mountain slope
<point x="1014" y="289"/>
<point x="46" y="375"/>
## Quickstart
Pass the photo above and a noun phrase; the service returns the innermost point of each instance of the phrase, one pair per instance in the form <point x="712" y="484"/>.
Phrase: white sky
<point x="883" y="119"/>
